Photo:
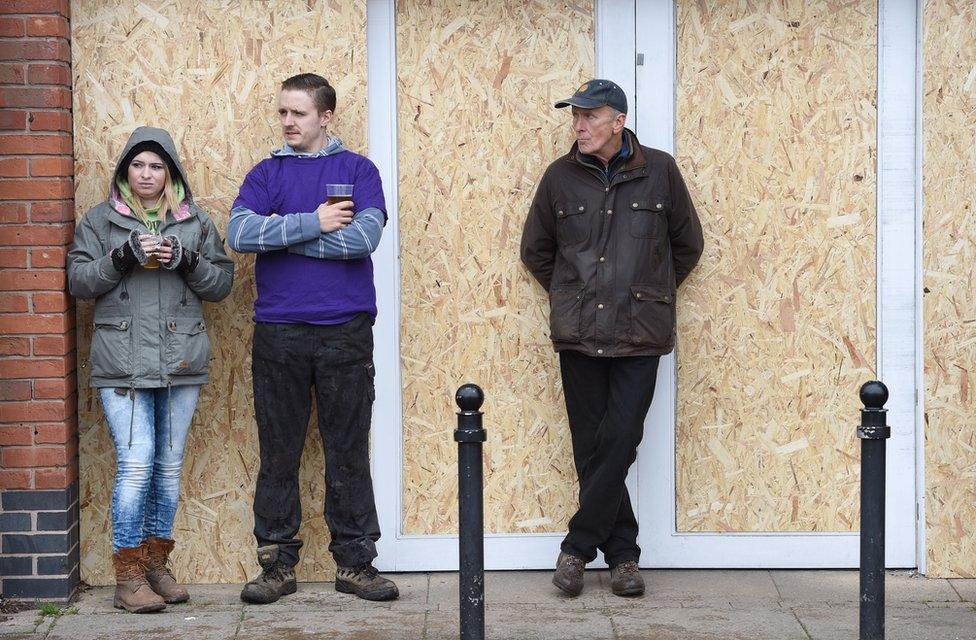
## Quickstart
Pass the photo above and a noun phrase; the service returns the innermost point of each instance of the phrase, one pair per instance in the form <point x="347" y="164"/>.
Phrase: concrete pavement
<point x="685" y="605"/>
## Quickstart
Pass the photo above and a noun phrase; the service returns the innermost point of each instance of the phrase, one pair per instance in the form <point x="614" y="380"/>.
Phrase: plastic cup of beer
<point x="152" y="261"/>
<point x="338" y="193"/>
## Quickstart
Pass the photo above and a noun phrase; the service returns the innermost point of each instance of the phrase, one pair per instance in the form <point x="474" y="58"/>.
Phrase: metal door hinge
<point x="640" y="59"/>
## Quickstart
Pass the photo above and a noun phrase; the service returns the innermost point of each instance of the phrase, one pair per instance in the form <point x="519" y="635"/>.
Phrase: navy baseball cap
<point x="597" y="93"/>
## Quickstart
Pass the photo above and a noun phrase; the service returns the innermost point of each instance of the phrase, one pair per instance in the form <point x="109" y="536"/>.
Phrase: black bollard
<point x="471" y="526"/>
<point x="873" y="432"/>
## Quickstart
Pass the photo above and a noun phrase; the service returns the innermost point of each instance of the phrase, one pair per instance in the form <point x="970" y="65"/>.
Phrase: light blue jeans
<point x="149" y="452"/>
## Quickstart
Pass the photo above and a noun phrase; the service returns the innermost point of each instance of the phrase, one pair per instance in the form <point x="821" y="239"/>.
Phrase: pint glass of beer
<point x="338" y="192"/>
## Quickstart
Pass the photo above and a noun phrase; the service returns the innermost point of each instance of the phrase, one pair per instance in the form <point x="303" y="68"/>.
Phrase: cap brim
<point x="582" y="103"/>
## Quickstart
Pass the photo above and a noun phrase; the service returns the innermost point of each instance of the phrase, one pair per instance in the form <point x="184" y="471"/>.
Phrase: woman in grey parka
<point x="149" y="256"/>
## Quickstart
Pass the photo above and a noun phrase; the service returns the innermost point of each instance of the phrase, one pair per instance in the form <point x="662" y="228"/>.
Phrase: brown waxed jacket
<point x="612" y="255"/>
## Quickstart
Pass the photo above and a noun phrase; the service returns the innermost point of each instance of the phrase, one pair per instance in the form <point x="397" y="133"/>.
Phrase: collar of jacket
<point x="635" y="161"/>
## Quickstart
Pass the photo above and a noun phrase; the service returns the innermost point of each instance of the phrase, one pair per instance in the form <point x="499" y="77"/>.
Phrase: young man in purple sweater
<point x="313" y="317"/>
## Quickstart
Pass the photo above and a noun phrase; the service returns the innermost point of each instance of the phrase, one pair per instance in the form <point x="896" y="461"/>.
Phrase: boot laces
<point x="274" y="572"/>
<point x="628" y="568"/>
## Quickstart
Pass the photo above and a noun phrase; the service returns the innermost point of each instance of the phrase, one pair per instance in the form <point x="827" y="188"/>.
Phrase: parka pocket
<point x="111" y="347"/>
<point x="187" y="347"/>
<point x="648" y="218"/>
<point x="565" y="311"/>
<point x="651" y="316"/>
<point x="572" y="223"/>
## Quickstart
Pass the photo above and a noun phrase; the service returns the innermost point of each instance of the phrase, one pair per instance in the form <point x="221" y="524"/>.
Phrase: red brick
<point x="53" y="211"/>
<point x="35" y="144"/>
<point x="49" y="74"/>
<point x="14" y="347"/>
<point x="46" y="258"/>
<point x="48" y="26"/>
<point x="35" y="234"/>
<point x="33" y="323"/>
<point x="33" y="456"/>
<point x="12" y="27"/>
<point x="32" y="281"/>
<point x="54" y="433"/>
<point x="19" y="434"/>
<point x="13" y="212"/>
<point x="54" y="345"/>
<point x="13" y="73"/>
<point x="20" y="368"/>
<point x="13" y="258"/>
<point x="54" y="389"/>
<point x="14" y="303"/>
<point x="15" y="478"/>
<point x="52" y="302"/>
<point x="47" y="49"/>
<point x="13" y="120"/>
<point x="32" y="6"/>
<point x="50" y="121"/>
<point x="15" y="390"/>
<point x="33" y="97"/>
<point x="36" y="411"/>
<point x="13" y="167"/>
<point x="58" y="478"/>
<point x="36" y="189"/>
<point x="51" y="166"/>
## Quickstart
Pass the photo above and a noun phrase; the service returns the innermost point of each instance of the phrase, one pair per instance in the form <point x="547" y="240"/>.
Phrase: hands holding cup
<point x="157" y="250"/>
<point x="337" y="211"/>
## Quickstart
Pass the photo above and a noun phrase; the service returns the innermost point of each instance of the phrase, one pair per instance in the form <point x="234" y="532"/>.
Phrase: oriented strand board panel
<point x="476" y="84"/>
<point x="209" y="73"/>
<point x="776" y="129"/>
<point x="949" y="120"/>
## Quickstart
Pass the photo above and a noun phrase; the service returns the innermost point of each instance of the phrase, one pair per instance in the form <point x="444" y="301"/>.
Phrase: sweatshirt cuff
<point x="309" y="226"/>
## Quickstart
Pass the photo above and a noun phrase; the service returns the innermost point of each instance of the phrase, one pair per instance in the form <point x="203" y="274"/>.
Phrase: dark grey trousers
<point x="606" y="400"/>
<point x="288" y="360"/>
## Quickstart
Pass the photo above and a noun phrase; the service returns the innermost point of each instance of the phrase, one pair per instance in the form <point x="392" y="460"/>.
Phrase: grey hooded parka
<point x="148" y="329"/>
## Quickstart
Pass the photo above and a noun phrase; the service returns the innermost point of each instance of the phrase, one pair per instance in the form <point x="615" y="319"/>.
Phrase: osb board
<point x="950" y="290"/>
<point x="209" y="73"/>
<point x="476" y="84"/>
<point x="776" y="128"/>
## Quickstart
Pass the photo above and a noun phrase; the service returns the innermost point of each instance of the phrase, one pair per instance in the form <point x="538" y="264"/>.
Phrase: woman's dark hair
<point x="323" y="95"/>
<point x="146" y="145"/>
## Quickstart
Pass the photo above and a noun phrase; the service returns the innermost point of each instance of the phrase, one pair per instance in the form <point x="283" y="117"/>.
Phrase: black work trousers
<point x="606" y="400"/>
<point x="337" y="360"/>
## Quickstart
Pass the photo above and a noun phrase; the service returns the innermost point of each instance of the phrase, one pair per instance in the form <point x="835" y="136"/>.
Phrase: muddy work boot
<point x="626" y="580"/>
<point x="366" y="582"/>
<point x="569" y="574"/>
<point x="132" y="591"/>
<point x="158" y="574"/>
<point x="277" y="579"/>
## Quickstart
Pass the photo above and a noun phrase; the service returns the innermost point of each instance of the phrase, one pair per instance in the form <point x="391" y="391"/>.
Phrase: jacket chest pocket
<point x="572" y="222"/>
<point x="187" y="347"/>
<point x="651" y="316"/>
<point x="111" y="347"/>
<point x="648" y="218"/>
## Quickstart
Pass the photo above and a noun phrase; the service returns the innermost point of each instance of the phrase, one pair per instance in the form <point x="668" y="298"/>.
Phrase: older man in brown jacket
<point x="611" y="234"/>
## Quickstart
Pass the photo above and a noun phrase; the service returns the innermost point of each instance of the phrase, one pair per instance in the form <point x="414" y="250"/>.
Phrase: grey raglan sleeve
<point x="250" y="232"/>
<point x="357" y="240"/>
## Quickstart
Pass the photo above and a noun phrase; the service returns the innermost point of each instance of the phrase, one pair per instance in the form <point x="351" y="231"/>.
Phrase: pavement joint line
<point x="423" y="632"/>
<point x="775" y="586"/>
<point x="613" y="623"/>
<point x="953" y="587"/>
<point x="240" y="621"/>
<point x="802" y="626"/>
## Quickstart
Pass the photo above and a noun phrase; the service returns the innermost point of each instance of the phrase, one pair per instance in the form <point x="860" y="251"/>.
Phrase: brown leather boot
<point x="132" y="591"/>
<point x="158" y="574"/>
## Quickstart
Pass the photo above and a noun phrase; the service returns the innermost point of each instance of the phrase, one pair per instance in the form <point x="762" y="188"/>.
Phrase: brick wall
<point x="38" y="398"/>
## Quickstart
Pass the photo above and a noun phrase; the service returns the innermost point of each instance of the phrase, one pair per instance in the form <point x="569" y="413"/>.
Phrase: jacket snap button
<point x="638" y="295"/>
<point x="609" y="211"/>
<point x="200" y="325"/>
<point x="600" y="351"/>
<point x="560" y="212"/>
<point x="602" y="259"/>
<point x="634" y="205"/>
<point x="124" y="325"/>
<point x="581" y="208"/>
<point x="599" y="306"/>
<point x="172" y="326"/>
<point x="659" y="205"/>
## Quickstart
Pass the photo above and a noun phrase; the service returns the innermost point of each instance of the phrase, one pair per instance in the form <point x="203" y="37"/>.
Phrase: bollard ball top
<point x="874" y="394"/>
<point x="469" y="397"/>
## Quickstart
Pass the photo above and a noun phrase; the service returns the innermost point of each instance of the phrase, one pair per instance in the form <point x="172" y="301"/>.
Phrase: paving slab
<point x="21" y="624"/>
<point x="965" y="588"/>
<point x="518" y="587"/>
<point x="709" y="588"/>
<point x="901" y="587"/>
<point x="381" y="624"/>
<point x="209" y="597"/>
<point x="706" y="623"/>
<point x="218" y="625"/>
<point x="527" y="622"/>
<point x="956" y="622"/>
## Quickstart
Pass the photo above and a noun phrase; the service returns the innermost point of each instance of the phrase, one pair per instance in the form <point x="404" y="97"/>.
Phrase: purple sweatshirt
<point x="295" y="288"/>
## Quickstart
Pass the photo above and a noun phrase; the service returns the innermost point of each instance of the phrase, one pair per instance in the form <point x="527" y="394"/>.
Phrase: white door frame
<point x="898" y="309"/>
<point x="899" y="362"/>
